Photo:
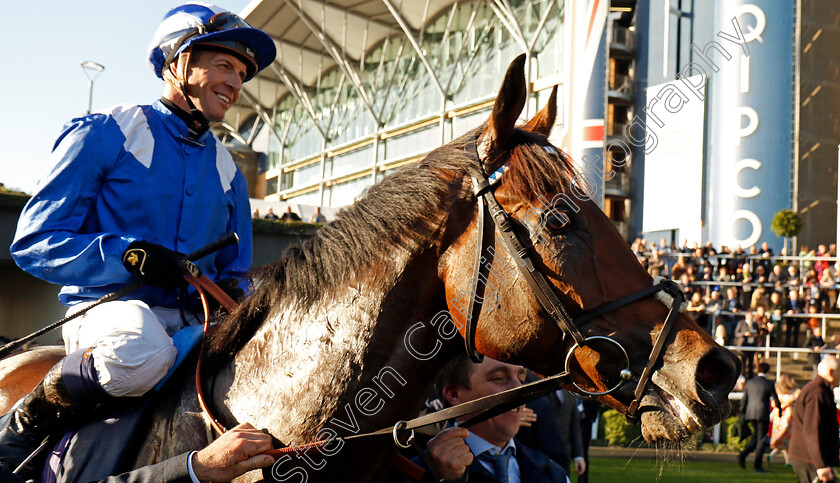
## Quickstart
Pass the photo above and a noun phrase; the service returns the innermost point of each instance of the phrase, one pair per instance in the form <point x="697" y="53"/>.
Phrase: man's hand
<point x="580" y="465"/>
<point x="235" y="453"/>
<point x="825" y="474"/>
<point x="527" y="417"/>
<point x="155" y="264"/>
<point x="450" y="454"/>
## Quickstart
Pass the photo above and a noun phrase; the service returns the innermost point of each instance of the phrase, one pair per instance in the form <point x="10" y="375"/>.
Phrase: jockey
<point x="129" y="191"/>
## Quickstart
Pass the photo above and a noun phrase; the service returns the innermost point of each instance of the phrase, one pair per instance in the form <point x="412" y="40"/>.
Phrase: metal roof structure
<point x="315" y="36"/>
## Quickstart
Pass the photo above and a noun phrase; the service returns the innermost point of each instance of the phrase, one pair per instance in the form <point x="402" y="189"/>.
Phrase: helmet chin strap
<point x="200" y="123"/>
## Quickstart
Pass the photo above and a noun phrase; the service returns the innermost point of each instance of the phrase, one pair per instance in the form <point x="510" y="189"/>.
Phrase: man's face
<point x="491" y="377"/>
<point x="831" y="371"/>
<point x="214" y="81"/>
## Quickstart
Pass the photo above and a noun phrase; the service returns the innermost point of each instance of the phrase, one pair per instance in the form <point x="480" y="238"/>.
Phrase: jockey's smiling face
<point x="214" y="81"/>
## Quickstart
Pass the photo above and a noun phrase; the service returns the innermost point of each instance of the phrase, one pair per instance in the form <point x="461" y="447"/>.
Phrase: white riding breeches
<point x="132" y="343"/>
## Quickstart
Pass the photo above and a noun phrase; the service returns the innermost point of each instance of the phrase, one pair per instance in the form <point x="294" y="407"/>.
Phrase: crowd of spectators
<point x="289" y="215"/>
<point x="751" y="297"/>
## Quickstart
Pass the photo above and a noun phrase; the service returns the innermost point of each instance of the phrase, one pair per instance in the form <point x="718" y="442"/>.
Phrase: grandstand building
<point x="763" y="108"/>
<point x="362" y="88"/>
<point x="691" y="120"/>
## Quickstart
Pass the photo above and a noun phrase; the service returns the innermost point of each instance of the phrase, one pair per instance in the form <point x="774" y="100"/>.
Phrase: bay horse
<point x="346" y="333"/>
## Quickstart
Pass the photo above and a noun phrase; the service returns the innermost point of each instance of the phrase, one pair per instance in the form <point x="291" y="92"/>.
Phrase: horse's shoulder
<point x="34" y="355"/>
<point x="20" y="373"/>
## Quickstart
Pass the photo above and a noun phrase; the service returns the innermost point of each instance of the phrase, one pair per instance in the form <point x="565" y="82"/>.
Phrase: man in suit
<point x="588" y="409"/>
<point x="747" y="335"/>
<point x="570" y="425"/>
<point x="816" y="343"/>
<point x="235" y="453"/>
<point x="814" y="445"/>
<point x="488" y="451"/>
<point x="793" y="305"/>
<point x="732" y="304"/>
<point x="755" y="408"/>
<point x="543" y="430"/>
<point x="557" y="431"/>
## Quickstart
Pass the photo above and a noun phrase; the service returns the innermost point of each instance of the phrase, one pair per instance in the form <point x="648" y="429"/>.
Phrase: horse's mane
<point x="401" y="211"/>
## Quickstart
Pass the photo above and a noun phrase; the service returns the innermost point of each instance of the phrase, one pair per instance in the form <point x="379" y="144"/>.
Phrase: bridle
<point x="490" y="406"/>
<point x="483" y="188"/>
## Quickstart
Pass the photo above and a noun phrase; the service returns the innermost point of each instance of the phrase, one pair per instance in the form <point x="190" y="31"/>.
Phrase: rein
<point x="483" y="188"/>
<point x="487" y="407"/>
<point x="225" y="240"/>
<point x="493" y="405"/>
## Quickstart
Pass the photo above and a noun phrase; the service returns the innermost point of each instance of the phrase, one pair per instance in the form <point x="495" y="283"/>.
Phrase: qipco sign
<point x="749" y="120"/>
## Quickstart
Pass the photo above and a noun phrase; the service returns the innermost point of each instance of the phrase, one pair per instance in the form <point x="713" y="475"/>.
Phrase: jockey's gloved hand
<point x="155" y="264"/>
<point x="231" y="287"/>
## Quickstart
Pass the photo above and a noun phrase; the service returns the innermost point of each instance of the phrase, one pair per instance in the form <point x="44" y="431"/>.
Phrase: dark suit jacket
<point x="546" y="434"/>
<point x="742" y="328"/>
<point x="173" y="470"/>
<point x="534" y="467"/>
<point x="570" y="424"/>
<point x="813" y="431"/>
<point x="796" y="306"/>
<point x="755" y="405"/>
<point x="811" y="342"/>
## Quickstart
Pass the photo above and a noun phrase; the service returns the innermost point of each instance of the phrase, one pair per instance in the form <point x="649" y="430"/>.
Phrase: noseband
<point x="483" y="187"/>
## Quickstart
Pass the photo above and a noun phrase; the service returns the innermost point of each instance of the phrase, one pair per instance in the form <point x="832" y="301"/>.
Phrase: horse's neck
<point x="340" y="364"/>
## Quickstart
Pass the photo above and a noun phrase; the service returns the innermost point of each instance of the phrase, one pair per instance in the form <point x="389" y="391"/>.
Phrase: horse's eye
<point x="556" y="221"/>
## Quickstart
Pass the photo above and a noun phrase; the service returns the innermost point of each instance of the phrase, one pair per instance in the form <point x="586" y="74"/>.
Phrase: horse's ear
<point x="509" y="104"/>
<point x="544" y="120"/>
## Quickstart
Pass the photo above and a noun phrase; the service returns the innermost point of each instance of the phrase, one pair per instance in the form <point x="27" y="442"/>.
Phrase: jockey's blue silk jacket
<point x="131" y="174"/>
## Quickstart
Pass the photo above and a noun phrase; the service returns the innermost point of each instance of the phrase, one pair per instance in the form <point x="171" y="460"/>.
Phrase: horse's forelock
<point x="535" y="172"/>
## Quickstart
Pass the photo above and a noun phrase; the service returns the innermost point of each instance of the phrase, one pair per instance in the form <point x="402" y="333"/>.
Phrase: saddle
<point x="97" y="450"/>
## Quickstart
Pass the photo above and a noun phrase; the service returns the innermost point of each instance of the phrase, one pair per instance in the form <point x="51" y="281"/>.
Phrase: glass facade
<point x="351" y="128"/>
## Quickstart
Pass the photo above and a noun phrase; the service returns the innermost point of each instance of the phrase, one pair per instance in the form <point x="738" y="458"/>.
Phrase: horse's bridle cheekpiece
<point x="490" y="406"/>
<point x="483" y="187"/>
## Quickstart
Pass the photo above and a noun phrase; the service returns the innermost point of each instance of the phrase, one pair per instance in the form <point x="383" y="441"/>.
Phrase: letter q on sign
<point x="752" y="33"/>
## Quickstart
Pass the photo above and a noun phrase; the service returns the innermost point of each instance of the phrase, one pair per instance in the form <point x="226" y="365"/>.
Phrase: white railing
<point x="778" y="351"/>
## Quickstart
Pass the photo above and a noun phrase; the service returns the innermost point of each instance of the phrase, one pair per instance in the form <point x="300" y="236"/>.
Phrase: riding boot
<point x="48" y="409"/>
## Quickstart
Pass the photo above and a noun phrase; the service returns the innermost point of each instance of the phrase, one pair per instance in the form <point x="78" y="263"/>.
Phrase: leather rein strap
<point x="496" y="404"/>
<point x="487" y="407"/>
<point x="520" y="252"/>
<point x="201" y="283"/>
<point x="486" y="199"/>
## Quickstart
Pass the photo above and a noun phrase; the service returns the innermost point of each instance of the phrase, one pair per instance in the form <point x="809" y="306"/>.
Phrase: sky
<point x="44" y="85"/>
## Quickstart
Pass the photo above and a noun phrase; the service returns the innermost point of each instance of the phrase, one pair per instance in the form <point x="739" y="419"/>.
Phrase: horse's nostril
<point x="716" y="373"/>
<point x="708" y="374"/>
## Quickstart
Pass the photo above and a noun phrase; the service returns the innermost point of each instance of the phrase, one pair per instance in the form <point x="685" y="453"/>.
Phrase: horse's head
<point x="585" y="265"/>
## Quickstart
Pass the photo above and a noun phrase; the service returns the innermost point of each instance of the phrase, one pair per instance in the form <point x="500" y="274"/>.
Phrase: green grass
<point x="646" y="470"/>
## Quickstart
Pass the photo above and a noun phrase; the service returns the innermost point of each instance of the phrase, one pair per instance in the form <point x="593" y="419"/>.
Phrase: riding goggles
<point x="218" y="22"/>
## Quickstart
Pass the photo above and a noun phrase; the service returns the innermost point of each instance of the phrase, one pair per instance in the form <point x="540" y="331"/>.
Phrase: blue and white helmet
<point x="211" y="26"/>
